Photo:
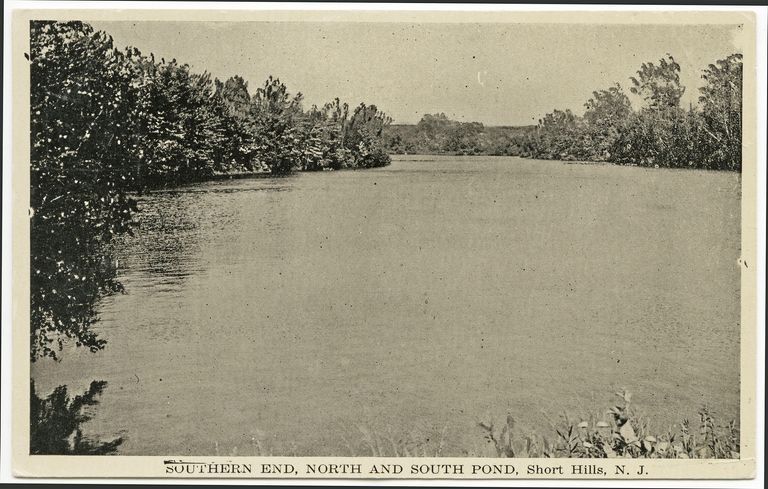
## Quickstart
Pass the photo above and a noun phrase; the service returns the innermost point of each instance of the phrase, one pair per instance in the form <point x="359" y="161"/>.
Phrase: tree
<point x="662" y="133"/>
<point x="322" y="132"/>
<point x="605" y="113"/>
<point x="363" y="136"/>
<point x="239" y="127"/>
<point x="274" y="114"/>
<point x="659" y="86"/>
<point x="464" y="137"/>
<point x="82" y="144"/>
<point x="560" y="135"/>
<point x="184" y="131"/>
<point x="234" y="93"/>
<point x="607" y="108"/>
<point x="721" y="109"/>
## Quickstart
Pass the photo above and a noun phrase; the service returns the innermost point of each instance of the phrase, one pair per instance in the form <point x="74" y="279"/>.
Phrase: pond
<point x="323" y="313"/>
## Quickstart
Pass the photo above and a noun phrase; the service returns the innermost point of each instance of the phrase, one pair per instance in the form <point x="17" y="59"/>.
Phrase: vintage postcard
<point x="402" y="244"/>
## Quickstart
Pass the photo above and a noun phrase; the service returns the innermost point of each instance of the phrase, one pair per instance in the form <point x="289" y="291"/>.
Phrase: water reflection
<point x="183" y="237"/>
<point x="163" y="251"/>
<point x="174" y="225"/>
<point x="56" y="423"/>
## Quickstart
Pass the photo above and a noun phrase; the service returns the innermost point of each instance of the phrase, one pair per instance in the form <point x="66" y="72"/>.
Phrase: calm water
<point x="299" y="315"/>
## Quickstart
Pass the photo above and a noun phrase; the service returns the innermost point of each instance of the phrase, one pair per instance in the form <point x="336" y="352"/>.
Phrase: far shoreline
<point x="428" y="157"/>
<point x="436" y="156"/>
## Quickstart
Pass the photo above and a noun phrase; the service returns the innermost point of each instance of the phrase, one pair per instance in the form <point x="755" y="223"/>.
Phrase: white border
<point x="5" y="398"/>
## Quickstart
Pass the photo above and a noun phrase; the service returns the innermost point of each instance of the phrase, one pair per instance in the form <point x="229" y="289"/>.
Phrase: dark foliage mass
<point x="56" y="423"/>
<point x="660" y="133"/>
<point x="83" y="163"/>
<point x="106" y="123"/>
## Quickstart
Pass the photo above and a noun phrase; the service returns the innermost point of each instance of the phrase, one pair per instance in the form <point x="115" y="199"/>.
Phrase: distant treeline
<point x="106" y="123"/>
<point x="661" y="133"/>
<point x="437" y="134"/>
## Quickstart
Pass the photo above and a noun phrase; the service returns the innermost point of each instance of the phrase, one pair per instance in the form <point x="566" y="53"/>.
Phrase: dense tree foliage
<point x="324" y="131"/>
<point x="82" y="167"/>
<point x="720" y="102"/>
<point x="605" y="113"/>
<point x="106" y="123"/>
<point x="659" y="86"/>
<point x="660" y="133"/>
<point x="363" y="136"/>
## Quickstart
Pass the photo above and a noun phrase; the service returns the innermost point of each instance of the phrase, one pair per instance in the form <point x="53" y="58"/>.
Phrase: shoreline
<point x="243" y="175"/>
<point x="424" y="157"/>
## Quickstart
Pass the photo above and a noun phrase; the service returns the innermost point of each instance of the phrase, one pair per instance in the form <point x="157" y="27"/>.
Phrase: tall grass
<point x="622" y="431"/>
<point x="619" y="432"/>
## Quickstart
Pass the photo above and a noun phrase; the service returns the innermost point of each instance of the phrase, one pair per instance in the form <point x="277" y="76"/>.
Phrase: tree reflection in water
<point x="56" y="422"/>
<point x="166" y="242"/>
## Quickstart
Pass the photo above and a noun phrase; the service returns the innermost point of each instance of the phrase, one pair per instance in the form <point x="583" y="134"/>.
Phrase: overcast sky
<point x="497" y="74"/>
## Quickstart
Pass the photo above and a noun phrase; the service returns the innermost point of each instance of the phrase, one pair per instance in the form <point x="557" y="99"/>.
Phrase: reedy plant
<point x="619" y="433"/>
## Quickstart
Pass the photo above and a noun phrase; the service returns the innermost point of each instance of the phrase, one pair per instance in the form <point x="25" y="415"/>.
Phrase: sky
<point x="497" y="74"/>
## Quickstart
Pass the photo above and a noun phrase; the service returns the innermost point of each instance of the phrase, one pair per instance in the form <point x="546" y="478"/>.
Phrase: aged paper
<point x="514" y="287"/>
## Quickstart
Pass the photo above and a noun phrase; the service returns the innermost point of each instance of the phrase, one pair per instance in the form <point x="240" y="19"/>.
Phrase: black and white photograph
<point x="330" y="238"/>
